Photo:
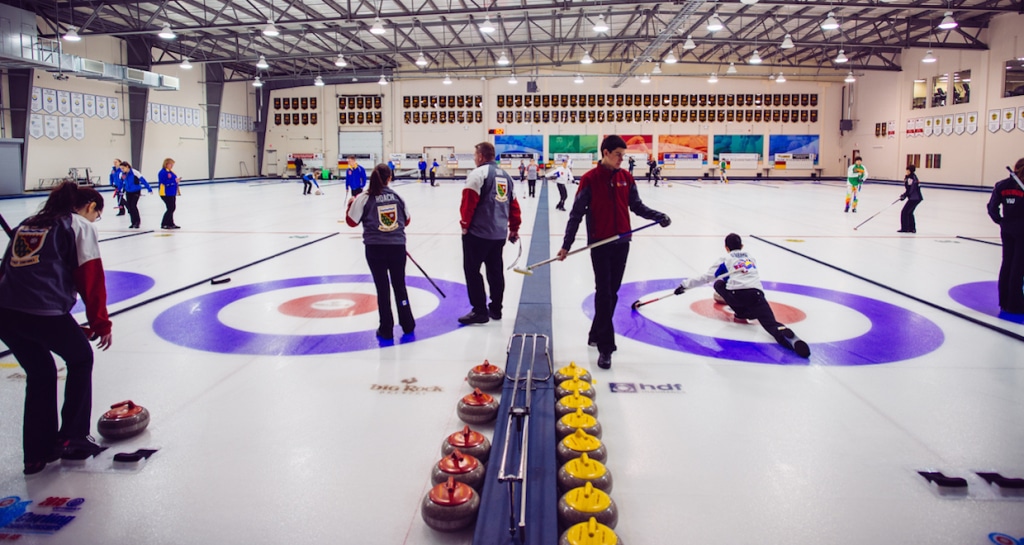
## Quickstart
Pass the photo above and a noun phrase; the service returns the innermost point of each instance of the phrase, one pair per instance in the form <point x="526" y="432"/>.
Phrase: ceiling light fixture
<point x="929" y="57"/>
<point x="755" y="58"/>
<point x="600" y="26"/>
<point x="486" y="27"/>
<point x="671" y="58"/>
<point x="579" y="78"/>
<point x="422" y="61"/>
<point x="587" y="59"/>
<point x="447" y="80"/>
<point x="72" y="34"/>
<point x="948" y="22"/>
<point x="830" y="22"/>
<point x="841" y="57"/>
<point x="262" y="63"/>
<point x="185" y="65"/>
<point x="731" y="69"/>
<point x="657" y="68"/>
<point x="713" y="78"/>
<point x="714" y="23"/>
<point x="787" y="42"/>
<point x="689" y="43"/>
<point x="771" y="77"/>
<point x="748" y="2"/>
<point x="270" y="30"/>
<point x="166" y="32"/>
<point x="340" y="61"/>
<point x="850" y="78"/>
<point x="645" y="79"/>
<point x="383" y="80"/>
<point x="512" y="80"/>
<point x="378" y="28"/>
<point x="318" y="81"/>
<point x="256" y="82"/>
<point x="503" y="60"/>
<point x="780" y="79"/>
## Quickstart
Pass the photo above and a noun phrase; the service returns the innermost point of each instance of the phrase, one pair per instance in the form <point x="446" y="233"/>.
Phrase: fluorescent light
<point x="503" y="60"/>
<point x="587" y="59"/>
<point x="600" y="26"/>
<point x="383" y="80"/>
<point x="378" y="27"/>
<point x="755" y="58"/>
<point x="645" y="79"/>
<point x="731" y="69"/>
<point x="318" y="81"/>
<point x="579" y="78"/>
<point x="422" y="61"/>
<point x="714" y="23"/>
<point x="948" y="22"/>
<point x="830" y="22"/>
<point x="713" y="78"/>
<point x="486" y="27"/>
<point x="262" y="63"/>
<point x="72" y="34"/>
<point x="671" y="58"/>
<point x="256" y="82"/>
<point x="657" y="68"/>
<point x="787" y="42"/>
<point x="850" y="78"/>
<point x="270" y="30"/>
<point x="689" y="44"/>
<point x="929" y="57"/>
<point x="166" y="32"/>
<point x="841" y="57"/>
<point x="340" y="61"/>
<point x="780" y="79"/>
<point x="185" y="64"/>
<point x="447" y="80"/>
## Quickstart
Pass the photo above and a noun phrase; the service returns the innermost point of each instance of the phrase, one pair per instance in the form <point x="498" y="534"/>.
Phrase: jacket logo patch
<point x="27" y="243"/>
<point x="501" y="191"/>
<point x="387" y="215"/>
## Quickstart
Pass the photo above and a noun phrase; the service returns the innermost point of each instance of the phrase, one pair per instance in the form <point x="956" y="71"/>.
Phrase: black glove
<point x="680" y="290"/>
<point x="903" y="197"/>
<point x="664" y="220"/>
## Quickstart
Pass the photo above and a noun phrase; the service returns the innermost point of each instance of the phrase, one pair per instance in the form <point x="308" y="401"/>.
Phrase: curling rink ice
<point x="280" y="418"/>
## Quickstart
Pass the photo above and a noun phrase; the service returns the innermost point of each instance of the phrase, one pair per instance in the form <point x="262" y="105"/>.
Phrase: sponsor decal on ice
<point x="643" y="388"/>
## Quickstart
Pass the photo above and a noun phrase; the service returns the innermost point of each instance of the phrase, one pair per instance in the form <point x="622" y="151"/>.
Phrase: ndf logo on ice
<point x="641" y="388"/>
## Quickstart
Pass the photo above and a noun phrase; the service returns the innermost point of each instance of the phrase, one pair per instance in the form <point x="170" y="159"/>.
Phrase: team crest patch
<point x="27" y="243"/>
<point x="388" y="217"/>
<point x="501" y="191"/>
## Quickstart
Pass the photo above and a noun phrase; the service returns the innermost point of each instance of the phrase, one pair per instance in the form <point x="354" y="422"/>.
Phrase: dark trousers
<point x="609" y="262"/>
<point x="478" y="251"/>
<point x="31" y="339"/>
<point x="387" y="266"/>
<point x="562" y="195"/>
<point x="356" y="191"/>
<point x="433" y="177"/>
<point x="307" y="187"/>
<point x="1011" y="272"/>
<point x="532" y="184"/>
<point x="423" y="174"/>
<point x="907" y="222"/>
<point x="170" y="201"/>
<point x="750" y="304"/>
<point x="132" y="200"/>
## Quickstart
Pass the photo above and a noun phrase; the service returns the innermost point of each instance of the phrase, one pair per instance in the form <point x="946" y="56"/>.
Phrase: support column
<point x="19" y="83"/>
<point x="139" y="57"/>
<point x="214" y="97"/>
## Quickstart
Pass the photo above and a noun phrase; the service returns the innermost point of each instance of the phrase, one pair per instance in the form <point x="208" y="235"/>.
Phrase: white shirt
<point x="739" y="265"/>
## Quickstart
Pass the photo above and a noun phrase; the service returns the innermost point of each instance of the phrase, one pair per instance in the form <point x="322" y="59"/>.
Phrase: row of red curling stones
<point x="586" y="513"/>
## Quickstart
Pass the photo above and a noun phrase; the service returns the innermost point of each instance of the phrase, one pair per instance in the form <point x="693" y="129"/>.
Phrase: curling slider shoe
<point x="788" y="339"/>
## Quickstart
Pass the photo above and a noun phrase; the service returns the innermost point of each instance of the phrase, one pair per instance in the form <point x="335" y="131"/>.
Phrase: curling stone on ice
<point x="570" y="372"/>
<point x="580" y="504"/>
<point x="478" y="408"/>
<point x="580" y="471"/>
<point x="123" y="420"/>
<point x="450" y="506"/>
<point x="461" y="467"/>
<point x="567" y="387"/>
<point x="589" y="533"/>
<point x="578" y="420"/>
<point x="468" y="442"/>
<point x="571" y="403"/>
<point x="487" y="377"/>
<point x="572" y="446"/>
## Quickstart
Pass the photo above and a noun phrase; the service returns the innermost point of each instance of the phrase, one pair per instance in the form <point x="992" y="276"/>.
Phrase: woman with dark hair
<point x="384" y="217"/>
<point x="132" y="183"/>
<point x="911" y="194"/>
<point x="1009" y="195"/>
<point x="51" y="257"/>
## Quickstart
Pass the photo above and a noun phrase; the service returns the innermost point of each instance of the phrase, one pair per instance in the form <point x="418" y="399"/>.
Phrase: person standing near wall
<point x="53" y="256"/>
<point x="632" y="163"/>
<point x="522" y="171"/>
<point x="422" y="165"/>
<point x="133" y="182"/>
<point x="911" y="194"/>
<point x="531" y="177"/>
<point x="855" y="176"/>
<point x="1006" y="208"/>
<point x="169" y="192"/>
<point x="562" y="176"/>
<point x="652" y="164"/>
<point x="384" y="217"/>
<point x="298" y="166"/>
<point x="723" y="165"/>
<point x="355" y="176"/>
<point x="489" y="215"/>
<point x="433" y="173"/>
<point x="115" y="182"/>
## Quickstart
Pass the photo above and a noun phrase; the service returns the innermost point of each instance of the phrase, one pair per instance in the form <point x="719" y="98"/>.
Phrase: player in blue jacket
<point x="355" y="176"/>
<point x="132" y="183"/>
<point x="115" y="182"/>
<point x="308" y="181"/>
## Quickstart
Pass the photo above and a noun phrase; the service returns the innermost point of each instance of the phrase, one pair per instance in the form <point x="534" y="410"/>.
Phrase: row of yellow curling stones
<point x="452" y="504"/>
<point x="586" y="512"/>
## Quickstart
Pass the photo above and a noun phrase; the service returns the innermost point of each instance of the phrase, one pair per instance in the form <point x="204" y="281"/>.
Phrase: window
<point x="962" y="87"/>
<point x="920" y="99"/>
<point x="1013" y="80"/>
<point x="940" y="87"/>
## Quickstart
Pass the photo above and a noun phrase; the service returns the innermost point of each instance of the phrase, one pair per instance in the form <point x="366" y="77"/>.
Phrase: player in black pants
<point x="1009" y="195"/>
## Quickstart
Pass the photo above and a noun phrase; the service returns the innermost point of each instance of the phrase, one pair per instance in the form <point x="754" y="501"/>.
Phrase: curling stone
<point x="570" y="403"/>
<point x="580" y="471"/>
<point x="450" y="506"/>
<point x="589" y="533"/>
<point x="572" y="446"/>
<point x="123" y="420"/>
<point x="586" y="502"/>
<point x="478" y="408"/>
<point x="567" y="387"/>
<point x="570" y="372"/>
<point x="578" y="420"/>
<point x="468" y="442"/>
<point x="461" y="467"/>
<point x="487" y="377"/>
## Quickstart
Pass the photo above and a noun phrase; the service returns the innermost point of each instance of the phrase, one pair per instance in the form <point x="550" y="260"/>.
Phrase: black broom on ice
<point x="425" y="274"/>
<point x="529" y="269"/>
<point x="876" y="213"/>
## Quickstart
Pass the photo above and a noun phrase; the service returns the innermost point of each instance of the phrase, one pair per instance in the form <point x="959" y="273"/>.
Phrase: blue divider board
<point x="533" y="316"/>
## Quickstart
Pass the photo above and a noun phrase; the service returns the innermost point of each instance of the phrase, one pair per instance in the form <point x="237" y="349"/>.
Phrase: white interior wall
<point x="185" y="144"/>
<point x="235" y="147"/>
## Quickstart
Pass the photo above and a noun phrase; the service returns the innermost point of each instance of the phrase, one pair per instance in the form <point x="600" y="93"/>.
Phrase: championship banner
<point x="49" y="101"/>
<point x="188" y="117"/>
<point x="101" y="107"/>
<point x="1020" y="118"/>
<point x="64" y="127"/>
<point x="77" y="106"/>
<point x="113" y="108"/>
<point x="172" y="115"/>
<point x="892" y="128"/>
<point x="50" y="126"/>
<point x="993" y="120"/>
<point x="165" y="114"/>
<point x="78" y="128"/>
<point x="181" y="115"/>
<point x="64" y="102"/>
<point x="909" y="131"/>
<point x="37" y="99"/>
<point x="197" y="117"/>
<point x="958" y="123"/>
<point x="947" y="124"/>
<point x="972" y="122"/>
<point x="90" y="105"/>
<point x="919" y="126"/>
<point x="35" y="125"/>
<point x="1009" y="119"/>
<point x="154" y="112"/>
<point x="927" y="126"/>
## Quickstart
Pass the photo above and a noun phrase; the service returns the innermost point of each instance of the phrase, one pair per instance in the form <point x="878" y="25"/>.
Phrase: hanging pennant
<point x="959" y="123"/>
<point x="295" y="119"/>
<point x="37" y="99"/>
<point x="277" y="119"/>
<point x="113" y="108"/>
<point x="77" y="107"/>
<point x="277" y="104"/>
<point x="64" y="102"/>
<point x="78" y="128"/>
<point x="312" y="119"/>
<point x="1020" y="118"/>
<point x="197" y="117"/>
<point x="295" y="103"/>
<point x="188" y="117"/>
<point x="312" y="103"/>
<point x="172" y="115"/>
<point x="101" y="107"/>
<point x="35" y="126"/>
<point x="50" y="126"/>
<point x="972" y="122"/>
<point x="154" y="110"/>
<point x="1009" y="119"/>
<point x="49" y="101"/>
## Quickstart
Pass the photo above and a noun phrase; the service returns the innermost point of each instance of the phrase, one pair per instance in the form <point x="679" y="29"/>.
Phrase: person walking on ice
<point x="722" y="166"/>
<point x="855" y="176"/>
<point x="737" y="281"/>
